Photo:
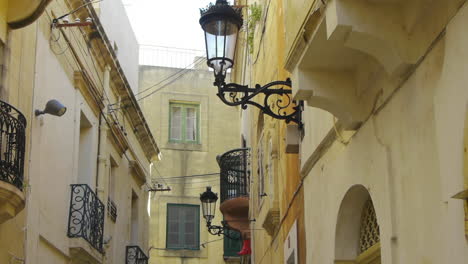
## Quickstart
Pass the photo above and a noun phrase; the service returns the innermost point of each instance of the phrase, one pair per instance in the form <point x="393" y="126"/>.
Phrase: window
<point x="134" y="219"/>
<point x="183" y="226"/>
<point x="232" y="245"/>
<point x="86" y="171"/>
<point x="290" y="246"/>
<point x="184" y="123"/>
<point x="111" y="206"/>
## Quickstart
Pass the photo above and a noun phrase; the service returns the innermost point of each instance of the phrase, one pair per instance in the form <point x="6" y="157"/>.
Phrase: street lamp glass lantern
<point x="208" y="200"/>
<point x="221" y="23"/>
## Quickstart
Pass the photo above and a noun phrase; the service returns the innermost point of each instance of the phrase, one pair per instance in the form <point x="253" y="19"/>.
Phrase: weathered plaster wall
<point x="409" y="155"/>
<point x="119" y="30"/>
<point x="36" y="68"/>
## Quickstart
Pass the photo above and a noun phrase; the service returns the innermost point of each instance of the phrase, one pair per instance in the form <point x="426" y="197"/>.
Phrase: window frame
<point x="231" y="246"/>
<point x="183" y="126"/>
<point x="181" y="233"/>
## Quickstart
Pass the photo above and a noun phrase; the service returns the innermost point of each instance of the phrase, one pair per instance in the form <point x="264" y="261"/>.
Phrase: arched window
<point x="370" y="231"/>
<point x="357" y="237"/>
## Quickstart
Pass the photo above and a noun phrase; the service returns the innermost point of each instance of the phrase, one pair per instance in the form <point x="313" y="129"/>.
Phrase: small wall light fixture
<point x="53" y="107"/>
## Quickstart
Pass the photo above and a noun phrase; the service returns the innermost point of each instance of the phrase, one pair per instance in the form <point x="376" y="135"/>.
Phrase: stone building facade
<point x="82" y="197"/>
<point x="192" y="127"/>
<point x="381" y="162"/>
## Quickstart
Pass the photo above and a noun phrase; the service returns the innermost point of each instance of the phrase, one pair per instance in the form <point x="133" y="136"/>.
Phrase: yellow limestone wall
<point x="17" y="80"/>
<point x="408" y="151"/>
<point x="219" y="133"/>
<point x="283" y="204"/>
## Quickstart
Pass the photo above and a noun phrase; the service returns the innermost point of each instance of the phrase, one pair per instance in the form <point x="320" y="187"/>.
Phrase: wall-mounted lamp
<point x="53" y="107"/>
<point x="221" y="23"/>
<point x="208" y="200"/>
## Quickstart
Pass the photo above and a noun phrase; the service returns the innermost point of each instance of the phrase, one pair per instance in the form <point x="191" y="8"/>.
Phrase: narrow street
<point x="233" y="132"/>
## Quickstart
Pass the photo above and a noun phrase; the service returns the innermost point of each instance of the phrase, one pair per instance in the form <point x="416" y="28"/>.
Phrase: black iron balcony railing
<point x="234" y="173"/>
<point x="12" y="145"/>
<point x="135" y="255"/>
<point x="86" y="219"/>
<point x="111" y="209"/>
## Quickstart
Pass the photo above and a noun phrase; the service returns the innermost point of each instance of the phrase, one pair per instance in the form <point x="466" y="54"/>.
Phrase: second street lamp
<point x="221" y="24"/>
<point x="208" y="200"/>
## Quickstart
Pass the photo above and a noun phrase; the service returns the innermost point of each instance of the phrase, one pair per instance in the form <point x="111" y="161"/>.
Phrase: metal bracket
<point x="221" y="230"/>
<point x="278" y="106"/>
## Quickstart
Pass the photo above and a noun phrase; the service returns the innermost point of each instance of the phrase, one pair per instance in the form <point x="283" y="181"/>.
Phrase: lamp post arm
<point x="233" y="94"/>
<point x="220" y="230"/>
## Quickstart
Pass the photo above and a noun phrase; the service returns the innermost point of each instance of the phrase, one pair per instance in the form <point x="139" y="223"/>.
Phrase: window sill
<point x="178" y="249"/>
<point x="184" y="146"/>
<point x="191" y="253"/>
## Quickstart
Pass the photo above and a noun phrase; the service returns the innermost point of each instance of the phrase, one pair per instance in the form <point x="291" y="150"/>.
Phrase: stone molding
<point x="12" y="201"/>
<point x="355" y="50"/>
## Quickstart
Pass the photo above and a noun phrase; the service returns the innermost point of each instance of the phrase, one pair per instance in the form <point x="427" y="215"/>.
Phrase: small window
<point x="111" y="206"/>
<point x="233" y="244"/>
<point x="184" y="123"/>
<point x="183" y="226"/>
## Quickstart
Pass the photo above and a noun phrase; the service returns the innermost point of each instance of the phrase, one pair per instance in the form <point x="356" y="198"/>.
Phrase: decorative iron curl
<point x="233" y="94"/>
<point x="12" y="144"/>
<point x="86" y="216"/>
<point x="223" y="230"/>
<point x="134" y="255"/>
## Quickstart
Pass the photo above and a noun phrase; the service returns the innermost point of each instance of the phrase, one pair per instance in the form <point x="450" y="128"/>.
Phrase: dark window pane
<point x="183" y="226"/>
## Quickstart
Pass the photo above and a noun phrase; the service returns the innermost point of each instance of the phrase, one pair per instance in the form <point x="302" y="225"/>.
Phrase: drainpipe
<point x="102" y="157"/>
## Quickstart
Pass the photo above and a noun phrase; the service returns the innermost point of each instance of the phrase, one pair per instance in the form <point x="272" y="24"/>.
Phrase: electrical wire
<point x="78" y="8"/>
<point x="208" y="242"/>
<point x="170" y="76"/>
<point x="102" y="113"/>
<point x="160" y="176"/>
<point x="185" y="182"/>
<point x="192" y="176"/>
<point x="165" y="85"/>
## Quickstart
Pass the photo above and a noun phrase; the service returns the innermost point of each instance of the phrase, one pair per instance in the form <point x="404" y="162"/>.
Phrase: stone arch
<point x="353" y="228"/>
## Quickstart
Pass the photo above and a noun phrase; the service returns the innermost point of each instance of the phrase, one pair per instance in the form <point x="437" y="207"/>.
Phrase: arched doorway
<point x="357" y="237"/>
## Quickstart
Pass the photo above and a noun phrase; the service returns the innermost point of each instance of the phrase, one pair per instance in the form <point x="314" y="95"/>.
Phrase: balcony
<point x="135" y="255"/>
<point x="234" y="176"/>
<point x="86" y="219"/>
<point x="12" y="147"/>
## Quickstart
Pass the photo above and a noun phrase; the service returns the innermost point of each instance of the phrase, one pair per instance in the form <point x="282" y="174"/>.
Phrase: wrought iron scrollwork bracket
<point x="221" y="230"/>
<point x="233" y="94"/>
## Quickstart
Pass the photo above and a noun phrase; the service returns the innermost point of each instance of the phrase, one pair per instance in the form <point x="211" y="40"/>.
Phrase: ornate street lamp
<point x="208" y="200"/>
<point x="222" y="23"/>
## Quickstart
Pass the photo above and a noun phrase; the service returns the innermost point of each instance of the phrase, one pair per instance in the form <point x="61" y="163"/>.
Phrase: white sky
<point x="172" y="23"/>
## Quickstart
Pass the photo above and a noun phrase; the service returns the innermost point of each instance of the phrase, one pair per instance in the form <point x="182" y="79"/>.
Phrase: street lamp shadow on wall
<point x="221" y="24"/>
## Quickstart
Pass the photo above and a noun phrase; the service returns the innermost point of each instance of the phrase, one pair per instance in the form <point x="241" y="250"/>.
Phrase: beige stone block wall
<point x="219" y="133"/>
<point x="409" y="155"/>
